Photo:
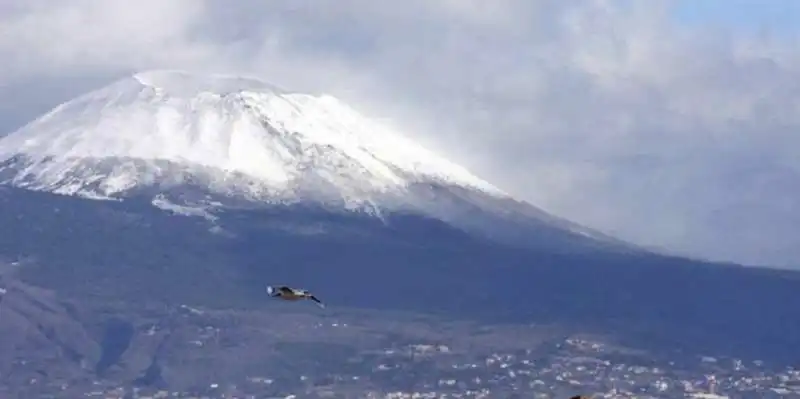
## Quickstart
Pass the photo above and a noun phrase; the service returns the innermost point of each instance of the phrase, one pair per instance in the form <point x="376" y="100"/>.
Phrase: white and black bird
<point x="292" y="294"/>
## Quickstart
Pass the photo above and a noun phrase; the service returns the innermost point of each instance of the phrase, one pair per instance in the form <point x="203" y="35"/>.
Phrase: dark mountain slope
<point x="131" y="252"/>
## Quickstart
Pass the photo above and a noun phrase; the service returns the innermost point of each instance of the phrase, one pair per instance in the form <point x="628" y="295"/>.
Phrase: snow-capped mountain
<point x="280" y="180"/>
<point x="237" y="135"/>
<point x="204" y="140"/>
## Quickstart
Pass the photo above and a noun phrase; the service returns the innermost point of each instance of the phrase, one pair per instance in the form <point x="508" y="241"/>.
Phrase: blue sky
<point x="774" y="16"/>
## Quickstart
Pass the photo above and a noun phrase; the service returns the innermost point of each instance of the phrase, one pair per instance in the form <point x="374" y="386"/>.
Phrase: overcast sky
<point x="667" y="123"/>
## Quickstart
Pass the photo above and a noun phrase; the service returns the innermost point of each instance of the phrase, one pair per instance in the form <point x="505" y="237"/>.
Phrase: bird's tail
<point x="319" y="303"/>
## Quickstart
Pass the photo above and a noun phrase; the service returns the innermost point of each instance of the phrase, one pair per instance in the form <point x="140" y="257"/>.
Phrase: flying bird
<point x="292" y="294"/>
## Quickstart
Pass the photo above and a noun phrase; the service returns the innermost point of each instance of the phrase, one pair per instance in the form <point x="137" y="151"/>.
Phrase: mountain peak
<point x="189" y="84"/>
<point x="234" y="135"/>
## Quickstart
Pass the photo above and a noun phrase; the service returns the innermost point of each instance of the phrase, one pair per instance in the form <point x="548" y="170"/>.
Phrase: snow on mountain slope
<point x="193" y="142"/>
<point x="239" y="135"/>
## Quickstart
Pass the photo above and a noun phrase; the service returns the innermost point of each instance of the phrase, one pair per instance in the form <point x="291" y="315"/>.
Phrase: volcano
<point x="204" y="142"/>
<point x="168" y="188"/>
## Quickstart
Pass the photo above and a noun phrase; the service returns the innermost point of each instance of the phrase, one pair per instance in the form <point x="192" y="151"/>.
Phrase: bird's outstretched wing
<point x="278" y="291"/>
<point x="285" y="290"/>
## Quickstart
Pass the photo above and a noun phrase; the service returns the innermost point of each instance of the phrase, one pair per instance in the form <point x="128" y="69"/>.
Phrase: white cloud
<point x="608" y="112"/>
